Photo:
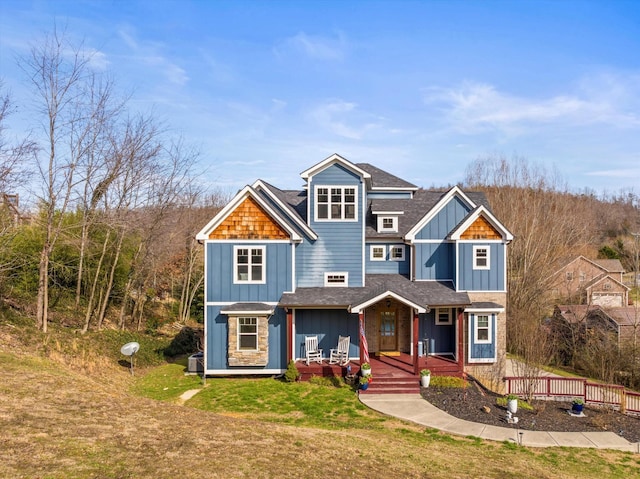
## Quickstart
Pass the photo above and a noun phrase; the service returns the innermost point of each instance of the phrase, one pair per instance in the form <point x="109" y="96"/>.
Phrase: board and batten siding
<point x="443" y="337"/>
<point x="327" y="324"/>
<point x="220" y="273"/>
<point x="435" y="261"/>
<point x="340" y="244"/>
<point x="444" y="221"/>
<point x="387" y="266"/>
<point x="217" y="330"/>
<point x="484" y="352"/>
<point x="492" y="279"/>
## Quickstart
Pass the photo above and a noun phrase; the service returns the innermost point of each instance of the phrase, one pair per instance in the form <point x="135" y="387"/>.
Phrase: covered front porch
<point x="391" y="374"/>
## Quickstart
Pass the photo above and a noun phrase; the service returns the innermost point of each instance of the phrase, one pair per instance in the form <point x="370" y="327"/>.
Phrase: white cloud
<point x="316" y="47"/>
<point x="617" y="173"/>
<point x="476" y="107"/>
<point x="150" y="54"/>
<point x="98" y="60"/>
<point x="335" y="115"/>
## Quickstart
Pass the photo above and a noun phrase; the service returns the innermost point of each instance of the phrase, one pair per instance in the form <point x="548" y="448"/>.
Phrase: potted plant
<point x="425" y="378"/>
<point x="512" y="403"/>
<point x="364" y="381"/>
<point x="365" y="369"/>
<point x="577" y="406"/>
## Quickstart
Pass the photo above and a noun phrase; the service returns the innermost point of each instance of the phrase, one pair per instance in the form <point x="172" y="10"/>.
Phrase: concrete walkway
<point x="412" y="407"/>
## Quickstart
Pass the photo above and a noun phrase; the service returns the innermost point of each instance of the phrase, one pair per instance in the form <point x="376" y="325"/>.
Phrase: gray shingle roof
<point x="424" y="293"/>
<point x="383" y="179"/>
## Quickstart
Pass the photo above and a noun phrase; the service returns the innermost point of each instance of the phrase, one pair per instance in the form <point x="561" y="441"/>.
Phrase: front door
<point x="388" y="341"/>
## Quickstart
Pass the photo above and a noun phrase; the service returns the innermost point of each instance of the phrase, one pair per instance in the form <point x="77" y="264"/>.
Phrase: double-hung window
<point x="378" y="253"/>
<point x="249" y="264"/>
<point x="247" y="334"/>
<point x="481" y="259"/>
<point x="336" y="203"/>
<point x="482" y="332"/>
<point x="397" y="253"/>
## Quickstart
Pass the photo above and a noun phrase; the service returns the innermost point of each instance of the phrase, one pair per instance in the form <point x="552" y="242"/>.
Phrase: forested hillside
<point x="553" y="225"/>
<point x="105" y="232"/>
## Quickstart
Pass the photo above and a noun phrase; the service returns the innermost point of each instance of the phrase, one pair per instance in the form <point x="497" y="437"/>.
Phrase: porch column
<point x="416" y="337"/>
<point x="289" y="335"/>
<point x="461" y="339"/>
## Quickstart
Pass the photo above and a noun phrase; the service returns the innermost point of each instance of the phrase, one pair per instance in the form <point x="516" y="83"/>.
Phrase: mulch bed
<point x="473" y="402"/>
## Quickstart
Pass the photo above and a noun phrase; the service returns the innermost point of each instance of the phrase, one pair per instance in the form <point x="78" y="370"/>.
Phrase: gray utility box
<point x="196" y="363"/>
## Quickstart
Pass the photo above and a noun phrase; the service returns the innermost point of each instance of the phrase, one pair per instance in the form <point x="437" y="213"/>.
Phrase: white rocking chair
<point x="311" y="349"/>
<point x="340" y="355"/>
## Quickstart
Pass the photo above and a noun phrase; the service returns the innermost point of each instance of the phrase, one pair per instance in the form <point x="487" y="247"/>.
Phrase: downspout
<point x="290" y="356"/>
<point x="416" y="336"/>
<point x="461" y="327"/>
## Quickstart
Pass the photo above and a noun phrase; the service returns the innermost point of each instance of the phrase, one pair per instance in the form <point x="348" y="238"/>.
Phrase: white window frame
<point x="477" y="328"/>
<point x="329" y="278"/>
<point x="444" y="311"/>
<point x="342" y="202"/>
<point x="249" y="280"/>
<point x="398" y="247"/>
<point x="478" y="248"/>
<point x="378" y="246"/>
<point x="240" y="334"/>
<point x="394" y="224"/>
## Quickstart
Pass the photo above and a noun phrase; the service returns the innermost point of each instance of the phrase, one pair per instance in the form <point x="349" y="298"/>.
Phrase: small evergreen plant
<point x="292" y="374"/>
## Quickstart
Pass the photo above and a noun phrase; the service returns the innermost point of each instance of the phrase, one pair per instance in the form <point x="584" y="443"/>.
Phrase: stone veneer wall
<point x="238" y="357"/>
<point x="490" y="374"/>
<point x="403" y="326"/>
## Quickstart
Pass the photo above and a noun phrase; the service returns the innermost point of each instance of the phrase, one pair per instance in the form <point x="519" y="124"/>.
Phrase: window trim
<point x="384" y="252"/>
<point x="476" y="328"/>
<point x="249" y="280"/>
<point x="240" y="334"/>
<point x="449" y="320"/>
<point x="400" y="247"/>
<point x="330" y="203"/>
<point x="342" y="284"/>
<point x="478" y="248"/>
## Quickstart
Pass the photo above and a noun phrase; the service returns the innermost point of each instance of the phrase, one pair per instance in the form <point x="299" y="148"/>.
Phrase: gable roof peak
<point x="330" y="160"/>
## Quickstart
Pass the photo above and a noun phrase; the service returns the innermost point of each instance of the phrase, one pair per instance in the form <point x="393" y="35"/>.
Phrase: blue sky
<point x="420" y="89"/>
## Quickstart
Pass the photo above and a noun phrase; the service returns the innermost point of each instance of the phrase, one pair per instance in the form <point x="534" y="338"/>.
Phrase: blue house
<point x="358" y="252"/>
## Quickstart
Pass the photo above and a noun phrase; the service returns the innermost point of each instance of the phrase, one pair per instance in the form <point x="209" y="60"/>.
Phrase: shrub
<point x="291" y="374"/>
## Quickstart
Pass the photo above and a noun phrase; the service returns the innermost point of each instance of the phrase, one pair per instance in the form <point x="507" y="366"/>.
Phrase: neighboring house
<point x="621" y="322"/>
<point x="357" y="252"/>
<point x="9" y="205"/>
<point x="591" y="281"/>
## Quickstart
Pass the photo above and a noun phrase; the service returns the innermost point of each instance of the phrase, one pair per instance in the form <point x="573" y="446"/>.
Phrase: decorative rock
<point x="486" y="409"/>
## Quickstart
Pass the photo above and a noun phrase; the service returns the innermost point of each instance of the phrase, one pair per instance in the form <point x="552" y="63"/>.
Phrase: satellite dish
<point x="130" y="349"/>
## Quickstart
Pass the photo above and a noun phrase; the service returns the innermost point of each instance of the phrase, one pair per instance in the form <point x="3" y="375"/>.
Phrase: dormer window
<point x="387" y="224"/>
<point x="336" y="203"/>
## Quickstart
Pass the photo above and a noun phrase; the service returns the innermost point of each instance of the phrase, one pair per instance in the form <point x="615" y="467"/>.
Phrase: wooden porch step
<point x="393" y="385"/>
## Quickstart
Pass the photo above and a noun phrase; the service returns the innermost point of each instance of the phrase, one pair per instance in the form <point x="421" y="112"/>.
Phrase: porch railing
<point x="569" y="388"/>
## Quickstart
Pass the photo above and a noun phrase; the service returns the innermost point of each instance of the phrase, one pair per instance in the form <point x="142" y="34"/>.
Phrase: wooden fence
<point x="571" y="388"/>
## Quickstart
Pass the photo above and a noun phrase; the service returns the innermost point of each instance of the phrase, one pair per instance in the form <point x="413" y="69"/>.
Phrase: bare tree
<point x="14" y="156"/>
<point x="549" y="225"/>
<point x="57" y="72"/>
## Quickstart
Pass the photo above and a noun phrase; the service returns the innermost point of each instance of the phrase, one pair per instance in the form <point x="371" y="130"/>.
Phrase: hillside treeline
<point x="116" y="202"/>
<point x="553" y="225"/>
